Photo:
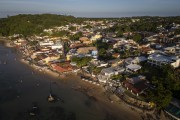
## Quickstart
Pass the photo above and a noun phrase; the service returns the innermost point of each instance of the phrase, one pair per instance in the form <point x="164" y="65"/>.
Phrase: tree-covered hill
<point x="32" y="24"/>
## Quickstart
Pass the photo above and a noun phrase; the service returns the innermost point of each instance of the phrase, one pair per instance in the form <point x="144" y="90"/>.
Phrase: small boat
<point x="51" y="98"/>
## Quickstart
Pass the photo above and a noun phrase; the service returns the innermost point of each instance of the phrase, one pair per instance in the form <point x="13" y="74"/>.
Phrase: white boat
<point x="50" y="98"/>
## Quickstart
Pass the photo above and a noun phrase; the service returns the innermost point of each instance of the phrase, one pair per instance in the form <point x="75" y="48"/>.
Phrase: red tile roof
<point x="62" y="68"/>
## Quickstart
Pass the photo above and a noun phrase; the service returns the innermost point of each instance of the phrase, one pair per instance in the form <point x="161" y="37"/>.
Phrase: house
<point x="158" y="59"/>
<point x="170" y="50"/>
<point x="51" y="57"/>
<point x="135" y="80"/>
<point x="116" y="55"/>
<point x="87" y="50"/>
<point x="57" y="45"/>
<point x="62" y="67"/>
<point x="77" y="45"/>
<point x="46" y="43"/>
<point x="147" y="50"/>
<point x="95" y="37"/>
<point x="139" y="59"/>
<point x="106" y="73"/>
<point x="136" y="85"/>
<point x="128" y="61"/>
<point x="133" y="67"/>
<point x="85" y="40"/>
<point x="116" y="62"/>
<point x="99" y="63"/>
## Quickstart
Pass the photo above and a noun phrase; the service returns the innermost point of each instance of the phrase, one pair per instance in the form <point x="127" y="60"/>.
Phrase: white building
<point x="108" y="72"/>
<point x="46" y="43"/>
<point x="57" y="45"/>
<point x="159" y="60"/>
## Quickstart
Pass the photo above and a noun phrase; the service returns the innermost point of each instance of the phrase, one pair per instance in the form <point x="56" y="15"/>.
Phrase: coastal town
<point x="124" y="63"/>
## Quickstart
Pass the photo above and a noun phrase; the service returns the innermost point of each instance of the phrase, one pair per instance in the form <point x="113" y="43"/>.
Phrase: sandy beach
<point x="103" y="103"/>
<point x="99" y="93"/>
<point x="111" y="105"/>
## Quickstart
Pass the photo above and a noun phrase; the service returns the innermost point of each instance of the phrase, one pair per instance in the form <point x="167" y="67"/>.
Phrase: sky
<point x="92" y="8"/>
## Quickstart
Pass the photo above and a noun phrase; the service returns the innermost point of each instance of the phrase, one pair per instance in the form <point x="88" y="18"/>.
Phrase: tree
<point x="33" y="43"/>
<point x="81" y="61"/>
<point x="76" y="36"/>
<point x="117" y="77"/>
<point x="177" y="31"/>
<point x="72" y="28"/>
<point x="59" y="33"/>
<point x="160" y="96"/>
<point x="137" y="38"/>
<point x="119" y="33"/>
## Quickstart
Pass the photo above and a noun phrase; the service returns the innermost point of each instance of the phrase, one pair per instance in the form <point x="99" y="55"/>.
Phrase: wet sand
<point x="115" y="110"/>
<point x="98" y="92"/>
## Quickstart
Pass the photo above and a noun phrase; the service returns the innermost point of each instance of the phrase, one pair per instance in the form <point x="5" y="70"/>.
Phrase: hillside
<point x="32" y="24"/>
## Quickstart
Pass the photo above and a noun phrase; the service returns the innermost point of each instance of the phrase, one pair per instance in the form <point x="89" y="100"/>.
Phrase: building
<point x="57" y="45"/>
<point x="85" y="40"/>
<point x="160" y="59"/>
<point x="106" y="73"/>
<point x="87" y="50"/>
<point x="139" y="59"/>
<point x="95" y="37"/>
<point x="133" y="67"/>
<point x="62" y="67"/>
<point x="46" y="43"/>
<point x="136" y="84"/>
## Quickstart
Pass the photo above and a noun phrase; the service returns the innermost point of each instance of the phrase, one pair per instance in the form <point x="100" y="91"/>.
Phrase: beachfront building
<point x="160" y="59"/>
<point x="62" y="67"/>
<point x="136" y="85"/>
<point x="133" y="68"/>
<point x="106" y="73"/>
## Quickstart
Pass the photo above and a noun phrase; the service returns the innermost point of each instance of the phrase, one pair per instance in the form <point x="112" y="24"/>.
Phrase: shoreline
<point x="6" y="42"/>
<point x="89" y="89"/>
<point x="94" y="92"/>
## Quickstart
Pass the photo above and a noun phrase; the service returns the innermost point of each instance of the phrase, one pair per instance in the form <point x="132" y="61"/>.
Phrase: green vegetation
<point x="94" y="69"/>
<point x="60" y="34"/>
<point x="76" y="36"/>
<point x="102" y="47"/>
<point x="117" y="77"/>
<point x="177" y="31"/>
<point x="81" y="61"/>
<point x="137" y="38"/>
<point x="33" y="24"/>
<point x="72" y="28"/>
<point x="166" y="82"/>
<point x="88" y="27"/>
<point x="33" y="43"/>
